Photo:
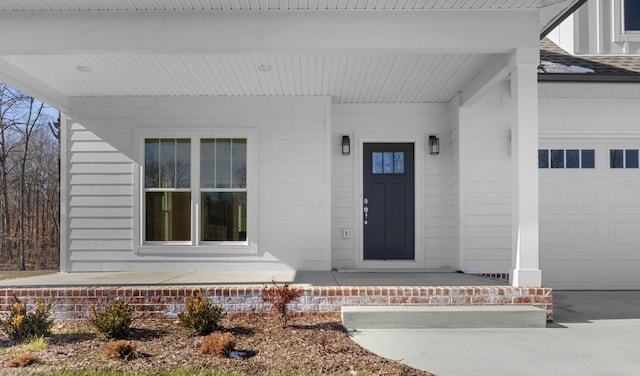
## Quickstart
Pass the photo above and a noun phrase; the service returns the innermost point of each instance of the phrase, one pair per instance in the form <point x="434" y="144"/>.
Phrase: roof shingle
<point x="613" y="68"/>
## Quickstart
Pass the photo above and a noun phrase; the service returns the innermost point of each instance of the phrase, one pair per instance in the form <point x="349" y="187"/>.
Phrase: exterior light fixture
<point x="83" y="69"/>
<point x="434" y="145"/>
<point x="346" y="145"/>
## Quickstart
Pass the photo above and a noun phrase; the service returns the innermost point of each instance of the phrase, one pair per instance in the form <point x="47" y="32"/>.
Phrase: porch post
<point x="524" y="151"/>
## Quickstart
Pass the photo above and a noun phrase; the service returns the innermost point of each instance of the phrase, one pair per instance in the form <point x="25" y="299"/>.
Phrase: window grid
<point x="566" y="158"/>
<point x="223" y="196"/>
<point x="167" y="194"/>
<point x="623" y="158"/>
<point x="170" y="193"/>
<point x="388" y="163"/>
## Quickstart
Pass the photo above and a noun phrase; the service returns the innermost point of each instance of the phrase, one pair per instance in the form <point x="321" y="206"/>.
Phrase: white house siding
<point x="100" y="229"/>
<point x="486" y="184"/>
<point x="590" y="218"/>
<point x="392" y="123"/>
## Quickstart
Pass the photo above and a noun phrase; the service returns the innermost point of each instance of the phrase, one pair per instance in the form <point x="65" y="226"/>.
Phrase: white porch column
<point x="524" y="151"/>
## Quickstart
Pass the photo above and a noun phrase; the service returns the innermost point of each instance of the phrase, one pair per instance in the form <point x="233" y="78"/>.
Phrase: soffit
<point x="365" y="75"/>
<point x="550" y="10"/>
<point x="346" y="77"/>
<point x="146" y="5"/>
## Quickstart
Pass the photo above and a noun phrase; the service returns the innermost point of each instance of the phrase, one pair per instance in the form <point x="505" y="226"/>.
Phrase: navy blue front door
<point x="388" y="201"/>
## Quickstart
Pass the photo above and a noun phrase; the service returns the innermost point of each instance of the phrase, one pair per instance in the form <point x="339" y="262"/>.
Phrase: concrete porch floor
<point x="229" y="278"/>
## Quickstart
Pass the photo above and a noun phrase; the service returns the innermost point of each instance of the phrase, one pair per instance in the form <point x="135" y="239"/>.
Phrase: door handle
<point x="366" y="213"/>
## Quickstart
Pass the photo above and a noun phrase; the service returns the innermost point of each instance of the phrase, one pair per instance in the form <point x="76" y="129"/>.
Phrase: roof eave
<point x="587" y="77"/>
<point x="561" y="17"/>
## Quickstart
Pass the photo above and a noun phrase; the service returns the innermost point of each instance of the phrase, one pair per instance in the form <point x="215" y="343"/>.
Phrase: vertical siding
<point x="293" y="182"/>
<point x="486" y="185"/>
<point x="386" y="120"/>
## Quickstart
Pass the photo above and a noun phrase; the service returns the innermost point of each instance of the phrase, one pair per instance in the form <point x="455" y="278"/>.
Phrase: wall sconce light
<point x="434" y="145"/>
<point x="346" y="145"/>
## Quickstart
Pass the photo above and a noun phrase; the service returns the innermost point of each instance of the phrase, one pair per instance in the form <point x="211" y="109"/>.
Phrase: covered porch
<point x="291" y="80"/>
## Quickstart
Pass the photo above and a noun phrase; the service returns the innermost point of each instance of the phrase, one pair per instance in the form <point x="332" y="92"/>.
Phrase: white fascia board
<point x="589" y="90"/>
<point x="486" y="31"/>
<point x="25" y="82"/>
<point x="86" y="108"/>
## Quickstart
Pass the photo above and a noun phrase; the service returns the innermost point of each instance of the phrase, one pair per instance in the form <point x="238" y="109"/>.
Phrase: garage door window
<point x="566" y="158"/>
<point x="620" y="158"/>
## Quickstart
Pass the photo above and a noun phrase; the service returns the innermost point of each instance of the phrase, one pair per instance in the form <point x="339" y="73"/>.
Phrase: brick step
<point x="426" y="317"/>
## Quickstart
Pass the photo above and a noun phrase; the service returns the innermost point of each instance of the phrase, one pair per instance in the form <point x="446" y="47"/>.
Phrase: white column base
<point x="526" y="278"/>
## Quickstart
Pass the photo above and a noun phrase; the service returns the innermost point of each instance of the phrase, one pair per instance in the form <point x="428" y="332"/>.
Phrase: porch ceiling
<point x="348" y="77"/>
<point x="79" y="52"/>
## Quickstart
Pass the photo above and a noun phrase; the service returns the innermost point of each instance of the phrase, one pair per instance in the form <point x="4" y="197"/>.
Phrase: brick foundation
<point x="72" y="303"/>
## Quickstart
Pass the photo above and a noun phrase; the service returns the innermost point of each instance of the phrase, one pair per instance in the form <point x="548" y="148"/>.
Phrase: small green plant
<point x="280" y="296"/>
<point x="115" y="321"/>
<point x="22" y="325"/>
<point x="122" y="349"/>
<point x="37" y="344"/>
<point x="201" y="316"/>
<point x="218" y="344"/>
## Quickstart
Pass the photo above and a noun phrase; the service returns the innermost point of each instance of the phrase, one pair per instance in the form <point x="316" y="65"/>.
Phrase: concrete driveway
<point x="594" y="333"/>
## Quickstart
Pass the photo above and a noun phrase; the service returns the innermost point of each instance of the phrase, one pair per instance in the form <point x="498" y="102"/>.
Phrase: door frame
<point x="418" y="141"/>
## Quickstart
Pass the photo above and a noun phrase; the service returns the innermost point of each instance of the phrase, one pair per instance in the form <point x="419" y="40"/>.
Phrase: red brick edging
<point x="72" y="303"/>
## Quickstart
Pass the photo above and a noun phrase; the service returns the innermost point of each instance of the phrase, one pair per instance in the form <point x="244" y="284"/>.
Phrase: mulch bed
<point x="314" y="343"/>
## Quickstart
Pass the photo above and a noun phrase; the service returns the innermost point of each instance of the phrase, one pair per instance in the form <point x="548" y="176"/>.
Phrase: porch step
<point x="427" y="317"/>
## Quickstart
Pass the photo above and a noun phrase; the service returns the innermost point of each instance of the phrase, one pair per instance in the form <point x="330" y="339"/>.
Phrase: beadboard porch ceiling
<point x="336" y="48"/>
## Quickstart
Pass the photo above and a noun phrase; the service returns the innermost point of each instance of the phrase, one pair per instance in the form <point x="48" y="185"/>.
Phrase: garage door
<point x="590" y="213"/>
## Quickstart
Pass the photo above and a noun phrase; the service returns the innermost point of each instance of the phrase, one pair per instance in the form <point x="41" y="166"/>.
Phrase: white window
<point x="198" y="194"/>
<point x="626" y="21"/>
<point x="167" y="189"/>
<point x="631" y="12"/>
<point x="223" y="189"/>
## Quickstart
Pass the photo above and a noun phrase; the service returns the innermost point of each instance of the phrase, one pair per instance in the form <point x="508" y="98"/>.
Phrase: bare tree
<point x="9" y="100"/>
<point x="32" y="119"/>
<point x="29" y="181"/>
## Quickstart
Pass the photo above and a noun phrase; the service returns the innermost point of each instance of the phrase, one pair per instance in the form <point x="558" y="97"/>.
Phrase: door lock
<point x="366" y="212"/>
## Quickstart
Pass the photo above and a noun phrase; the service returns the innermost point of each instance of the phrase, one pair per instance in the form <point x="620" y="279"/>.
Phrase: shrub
<point x="22" y="360"/>
<point x="22" y="325"/>
<point x="279" y="296"/>
<point x="115" y="321"/>
<point x="218" y="344"/>
<point x="201" y="316"/>
<point x="121" y="349"/>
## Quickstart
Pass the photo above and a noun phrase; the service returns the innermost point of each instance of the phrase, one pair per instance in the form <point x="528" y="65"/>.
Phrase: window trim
<point x="195" y="247"/>
<point x="621" y="34"/>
